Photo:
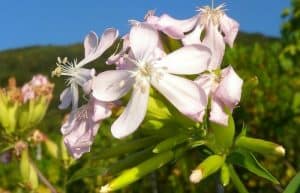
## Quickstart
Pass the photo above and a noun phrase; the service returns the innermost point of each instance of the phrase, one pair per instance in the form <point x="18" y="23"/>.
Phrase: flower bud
<point x="225" y="175"/>
<point x="260" y="146"/>
<point x="23" y="108"/>
<point x="170" y="143"/>
<point x="131" y="175"/>
<point x="28" y="171"/>
<point x="209" y="166"/>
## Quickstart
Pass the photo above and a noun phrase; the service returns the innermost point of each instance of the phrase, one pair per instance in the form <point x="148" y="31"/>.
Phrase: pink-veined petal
<point x="193" y="37"/>
<point x="184" y="94"/>
<point x="230" y="88"/>
<point x="90" y="43"/>
<point x="217" y="113"/>
<point x="81" y="137"/>
<point x="112" y="85"/>
<point x="191" y="59"/>
<point x="133" y="114"/>
<point x="230" y="28"/>
<point x="215" y="42"/>
<point x="143" y="40"/>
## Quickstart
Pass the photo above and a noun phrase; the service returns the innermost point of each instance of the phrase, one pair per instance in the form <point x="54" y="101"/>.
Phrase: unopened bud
<point x="196" y="176"/>
<point x="105" y="189"/>
<point x="260" y="146"/>
<point x="280" y="150"/>
<point x="209" y="166"/>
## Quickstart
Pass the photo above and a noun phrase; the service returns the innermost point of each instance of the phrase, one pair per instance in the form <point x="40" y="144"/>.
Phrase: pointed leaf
<point x="130" y="161"/>
<point x="294" y="185"/>
<point x="247" y="160"/>
<point x="126" y="147"/>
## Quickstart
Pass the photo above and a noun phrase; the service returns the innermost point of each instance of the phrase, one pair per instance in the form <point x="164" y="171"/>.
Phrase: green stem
<point x="237" y="181"/>
<point x="43" y="178"/>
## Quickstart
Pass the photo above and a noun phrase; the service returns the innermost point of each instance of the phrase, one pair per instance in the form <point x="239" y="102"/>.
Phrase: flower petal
<point x="184" y="94"/>
<point x="215" y="42"/>
<point x="116" y="57"/>
<point x="191" y="59"/>
<point x="101" y="110"/>
<point x="193" y="37"/>
<point x="107" y="39"/>
<point x="230" y="28"/>
<point x="80" y="137"/>
<point x="65" y="98"/>
<point x="69" y="96"/>
<point x="133" y="114"/>
<point x="112" y="85"/>
<point x="217" y="113"/>
<point x="206" y="82"/>
<point x="230" y="88"/>
<point x="143" y="41"/>
<point x="90" y="43"/>
<point x="176" y="28"/>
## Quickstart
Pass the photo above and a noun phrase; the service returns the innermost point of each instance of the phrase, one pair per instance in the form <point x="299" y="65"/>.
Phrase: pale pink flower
<point x="150" y="67"/>
<point x="79" y="76"/>
<point x="27" y="92"/>
<point x="225" y="93"/>
<point x="82" y="126"/>
<point x="28" y="89"/>
<point x="39" y="80"/>
<point x="217" y="26"/>
<point x="168" y="25"/>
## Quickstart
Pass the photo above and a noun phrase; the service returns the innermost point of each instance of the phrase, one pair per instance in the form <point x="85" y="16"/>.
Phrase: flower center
<point x="209" y="14"/>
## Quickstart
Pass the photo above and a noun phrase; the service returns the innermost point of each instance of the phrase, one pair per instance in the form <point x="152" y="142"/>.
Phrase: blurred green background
<point x="270" y="109"/>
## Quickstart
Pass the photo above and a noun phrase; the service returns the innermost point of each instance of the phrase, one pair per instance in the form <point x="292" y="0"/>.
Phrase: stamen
<point x="56" y="72"/>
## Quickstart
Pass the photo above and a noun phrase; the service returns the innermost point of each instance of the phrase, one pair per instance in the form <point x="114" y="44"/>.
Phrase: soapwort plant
<point x="168" y="95"/>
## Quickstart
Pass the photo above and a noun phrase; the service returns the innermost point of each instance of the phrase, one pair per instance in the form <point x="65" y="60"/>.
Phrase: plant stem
<point x="237" y="181"/>
<point x="43" y="178"/>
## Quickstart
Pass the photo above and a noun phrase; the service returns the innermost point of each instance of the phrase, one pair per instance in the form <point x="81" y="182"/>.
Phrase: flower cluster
<point x="23" y="108"/>
<point x="142" y="64"/>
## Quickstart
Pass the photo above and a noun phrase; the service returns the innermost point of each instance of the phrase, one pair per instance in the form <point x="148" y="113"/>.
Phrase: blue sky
<point x="40" y="22"/>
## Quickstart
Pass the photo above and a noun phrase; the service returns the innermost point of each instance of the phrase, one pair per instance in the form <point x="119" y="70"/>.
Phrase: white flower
<point x="79" y="76"/>
<point x="150" y="68"/>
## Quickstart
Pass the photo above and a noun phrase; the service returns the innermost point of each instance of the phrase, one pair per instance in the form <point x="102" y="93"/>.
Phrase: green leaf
<point x="126" y="147"/>
<point x="135" y="173"/>
<point x="170" y="143"/>
<point x="87" y="172"/>
<point x="294" y="185"/>
<point x="129" y="161"/>
<point x="247" y="160"/>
